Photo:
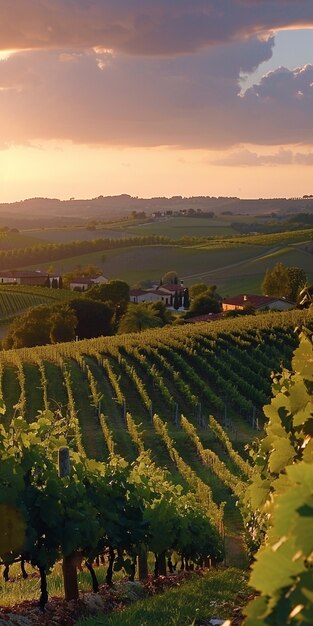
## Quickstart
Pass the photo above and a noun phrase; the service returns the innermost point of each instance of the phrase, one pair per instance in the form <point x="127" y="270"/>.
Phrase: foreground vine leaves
<point x="283" y="493"/>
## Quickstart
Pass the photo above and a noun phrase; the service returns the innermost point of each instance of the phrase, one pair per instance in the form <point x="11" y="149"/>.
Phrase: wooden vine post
<point x="69" y="564"/>
<point x="143" y="571"/>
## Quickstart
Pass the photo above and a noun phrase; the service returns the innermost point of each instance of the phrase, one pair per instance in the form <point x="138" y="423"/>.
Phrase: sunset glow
<point x="178" y="99"/>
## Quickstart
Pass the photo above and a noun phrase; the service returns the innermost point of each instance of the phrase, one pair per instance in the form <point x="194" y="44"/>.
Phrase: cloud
<point x="100" y="97"/>
<point x="284" y="84"/>
<point x="192" y="101"/>
<point x="247" y="158"/>
<point x="144" y="27"/>
<point x="117" y="72"/>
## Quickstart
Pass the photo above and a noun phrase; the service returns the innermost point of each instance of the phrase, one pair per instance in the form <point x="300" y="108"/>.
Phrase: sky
<point x="156" y="98"/>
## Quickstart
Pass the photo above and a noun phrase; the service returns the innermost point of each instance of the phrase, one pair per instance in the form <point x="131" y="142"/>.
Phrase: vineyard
<point x="178" y="405"/>
<point x="15" y="299"/>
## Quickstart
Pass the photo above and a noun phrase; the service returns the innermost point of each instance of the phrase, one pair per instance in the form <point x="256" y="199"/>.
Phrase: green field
<point x="233" y="270"/>
<point x="176" y="227"/>
<point x="10" y="241"/>
<point x="66" y="235"/>
<point x="216" y="256"/>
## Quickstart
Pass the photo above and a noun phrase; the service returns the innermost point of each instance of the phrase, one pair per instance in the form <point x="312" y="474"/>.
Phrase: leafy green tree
<point x="79" y="272"/>
<point x="139" y="317"/>
<point x="170" y="277"/>
<point x="202" y="304"/>
<point x="197" y="289"/>
<point x="94" y="318"/>
<point x="115" y="291"/>
<point x="297" y="280"/>
<point x="63" y="323"/>
<point x="283" y="282"/>
<point x="30" y="329"/>
<point x="276" y="281"/>
<point x="161" y="311"/>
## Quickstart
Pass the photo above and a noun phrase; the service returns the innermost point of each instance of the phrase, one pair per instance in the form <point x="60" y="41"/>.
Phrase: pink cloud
<point x="191" y="101"/>
<point x="120" y="72"/>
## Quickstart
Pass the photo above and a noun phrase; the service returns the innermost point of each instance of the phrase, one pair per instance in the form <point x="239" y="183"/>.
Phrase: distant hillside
<point x="36" y="211"/>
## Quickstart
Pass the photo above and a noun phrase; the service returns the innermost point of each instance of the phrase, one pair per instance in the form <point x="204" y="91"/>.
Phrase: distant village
<point x="174" y="295"/>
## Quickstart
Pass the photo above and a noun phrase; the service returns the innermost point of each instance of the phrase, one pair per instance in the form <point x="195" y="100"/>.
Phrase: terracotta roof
<point x="82" y="281"/>
<point x="171" y="287"/>
<point x="208" y="317"/>
<point x="23" y="274"/>
<point x="138" y="292"/>
<point x="251" y="300"/>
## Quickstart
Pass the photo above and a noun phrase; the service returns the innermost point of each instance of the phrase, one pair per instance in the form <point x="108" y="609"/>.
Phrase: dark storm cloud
<point x="143" y="27"/>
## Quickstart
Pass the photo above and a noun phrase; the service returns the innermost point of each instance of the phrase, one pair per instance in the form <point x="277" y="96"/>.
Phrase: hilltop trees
<point x="284" y="282"/>
<point x="170" y="277"/>
<point x="41" y="325"/>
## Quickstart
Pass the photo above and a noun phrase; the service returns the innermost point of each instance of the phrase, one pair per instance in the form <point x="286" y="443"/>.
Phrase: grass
<point x="213" y="595"/>
<point x="151" y="262"/>
<point x="17" y="589"/>
<point x="11" y="241"/>
<point x="233" y="270"/>
<point x="66" y="235"/>
<point x="176" y="227"/>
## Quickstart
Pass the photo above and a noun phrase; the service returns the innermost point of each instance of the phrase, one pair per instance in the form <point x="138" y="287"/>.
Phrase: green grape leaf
<point x="302" y="361"/>
<point x="276" y="412"/>
<point x="255" y="611"/>
<point x="307" y="454"/>
<point x="258" y="492"/>
<point x="302" y="474"/>
<point x="303" y="414"/>
<point x="282" y="454"/>
<point x="280" y="565"/>
<point x="298" y="394"/>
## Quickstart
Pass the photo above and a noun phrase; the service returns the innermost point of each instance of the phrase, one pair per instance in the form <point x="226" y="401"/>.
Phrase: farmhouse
<point x="144" y="295"/>
<point x="82" y="283"/>
<point x="259" y="303"/>
<point x="17" y="277"/>
<point x="163" y="293"/>
<point x="167" y="293"/>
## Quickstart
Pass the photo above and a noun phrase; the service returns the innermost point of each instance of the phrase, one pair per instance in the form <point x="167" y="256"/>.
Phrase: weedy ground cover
<point x="218" y="593"/>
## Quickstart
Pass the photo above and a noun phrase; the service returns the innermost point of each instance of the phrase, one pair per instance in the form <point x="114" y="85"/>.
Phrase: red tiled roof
<point x="23" y="274"/>
<point x="171" y="287"/>
<point x="137" y="292"/>
<point x="208" y="317"/>
<point x="250" y="300"/>
<point x="82" y="281"/>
